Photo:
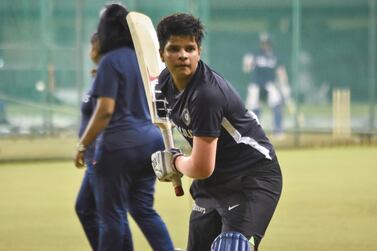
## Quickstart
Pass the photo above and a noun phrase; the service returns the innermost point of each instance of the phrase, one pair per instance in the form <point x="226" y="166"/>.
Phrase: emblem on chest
<point x="185" y="116"/>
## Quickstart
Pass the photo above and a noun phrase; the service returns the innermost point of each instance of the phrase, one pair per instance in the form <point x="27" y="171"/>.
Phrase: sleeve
<point x="106" y="82"/>
<point x="207" y="112"/>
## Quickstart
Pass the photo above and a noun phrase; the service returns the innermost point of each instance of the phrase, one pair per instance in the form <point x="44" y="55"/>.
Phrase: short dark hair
<point x="179" y="24"/>
<point x="113" y="31"/>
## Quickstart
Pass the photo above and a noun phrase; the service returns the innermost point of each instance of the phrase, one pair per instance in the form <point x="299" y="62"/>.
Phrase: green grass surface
<point x="329" y="202"/>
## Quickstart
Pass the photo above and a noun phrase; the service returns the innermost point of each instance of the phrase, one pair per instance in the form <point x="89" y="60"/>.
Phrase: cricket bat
<point x="146" y="45"/>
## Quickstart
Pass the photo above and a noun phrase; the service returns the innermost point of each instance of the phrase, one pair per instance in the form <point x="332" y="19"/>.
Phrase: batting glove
<point x="163" y="164"/>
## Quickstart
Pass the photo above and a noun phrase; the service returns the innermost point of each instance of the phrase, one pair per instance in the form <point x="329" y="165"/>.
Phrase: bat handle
<point x="169" y="143"/>
<point x="177" y="184"/>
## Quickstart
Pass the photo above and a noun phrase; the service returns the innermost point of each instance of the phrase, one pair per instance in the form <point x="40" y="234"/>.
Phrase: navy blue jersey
<point x="265" y="63"/>
<point x="88" y="104"/>
<point x="210" y="107"/>
<point x="118" y="77"/>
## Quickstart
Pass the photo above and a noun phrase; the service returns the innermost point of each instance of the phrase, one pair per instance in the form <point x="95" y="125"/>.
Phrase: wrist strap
<point x="174" y="159"/>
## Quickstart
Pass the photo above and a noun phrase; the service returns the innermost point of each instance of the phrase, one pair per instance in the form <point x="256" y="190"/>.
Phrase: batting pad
<point x="230" y="241"/>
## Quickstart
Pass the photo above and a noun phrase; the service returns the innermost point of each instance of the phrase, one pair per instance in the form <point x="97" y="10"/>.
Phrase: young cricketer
<point x="237" y="178"/>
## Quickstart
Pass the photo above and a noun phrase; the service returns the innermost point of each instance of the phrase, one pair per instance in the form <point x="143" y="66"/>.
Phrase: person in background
<point x="267" y="75"/>
<point x="85" y="207"/>
<point x="237" y="178"/>
<point x="125" y="139"/>
<point x="3" y="114"/>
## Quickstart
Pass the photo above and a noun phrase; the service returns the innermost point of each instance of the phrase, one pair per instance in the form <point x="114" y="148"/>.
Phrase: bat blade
<point x="146" y="46"/>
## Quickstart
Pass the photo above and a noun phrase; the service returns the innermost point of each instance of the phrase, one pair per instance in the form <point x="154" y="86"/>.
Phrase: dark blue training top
<point x="88" y="104"/>
<point x="266" y="64"/>
<point x="210" y="107"/>
<point x="118" y="77"/>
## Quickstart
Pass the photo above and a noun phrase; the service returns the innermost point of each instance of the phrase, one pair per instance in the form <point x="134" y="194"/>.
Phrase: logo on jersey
<point x="185" y="116"/>
<point x="86" y="98"/>
<point x="268" y="62"/>
<point x="199" y="209"/>
<point x="185" y="133"/>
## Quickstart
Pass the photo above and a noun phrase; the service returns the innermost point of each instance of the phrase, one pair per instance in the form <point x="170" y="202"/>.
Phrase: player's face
<point x="181" y="56"/>
<point x="94" y="52"/>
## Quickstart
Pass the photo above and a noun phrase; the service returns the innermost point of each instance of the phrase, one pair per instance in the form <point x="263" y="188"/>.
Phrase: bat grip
<point x="169" y="143"/>
<point x="177" y="184"/>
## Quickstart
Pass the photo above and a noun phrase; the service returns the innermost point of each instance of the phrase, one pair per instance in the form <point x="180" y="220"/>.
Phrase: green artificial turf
<point x="329" y="202"/>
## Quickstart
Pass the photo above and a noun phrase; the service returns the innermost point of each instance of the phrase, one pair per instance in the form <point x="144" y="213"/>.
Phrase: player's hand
<point x="79" y="159"/>
<point x="163" y="164"/>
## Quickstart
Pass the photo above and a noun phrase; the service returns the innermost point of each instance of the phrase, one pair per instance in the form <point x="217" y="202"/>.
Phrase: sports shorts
<point x="244" y="204"/>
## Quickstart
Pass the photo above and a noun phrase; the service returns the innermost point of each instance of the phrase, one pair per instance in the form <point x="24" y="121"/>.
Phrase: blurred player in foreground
<point x="267" y="75"/>
<point x="237" y="178"/>
<point x="125" y="139"/>
<point x="85" y="203"/>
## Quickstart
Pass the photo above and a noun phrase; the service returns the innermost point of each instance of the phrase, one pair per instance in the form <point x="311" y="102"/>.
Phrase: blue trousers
<point x="277" y="118"/>
<point x="86" y="209"/>
<point x="125" y="183"/>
